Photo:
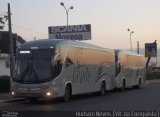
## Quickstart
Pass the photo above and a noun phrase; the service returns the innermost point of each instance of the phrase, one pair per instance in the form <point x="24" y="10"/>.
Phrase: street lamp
<point x="67" y="10"/>
<point x="130" y="34"/>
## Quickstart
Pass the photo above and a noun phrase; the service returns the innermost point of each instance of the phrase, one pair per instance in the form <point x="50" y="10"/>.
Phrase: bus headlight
<point x="13" y="93"/>
<point x="48" y="93"/>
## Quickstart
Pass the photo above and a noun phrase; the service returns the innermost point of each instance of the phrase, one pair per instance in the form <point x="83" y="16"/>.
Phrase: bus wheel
<point x="103" y="89"/>
<point x="67" y="94"/>
<point x="139" y="85"/>
<point x="123" y="86"/>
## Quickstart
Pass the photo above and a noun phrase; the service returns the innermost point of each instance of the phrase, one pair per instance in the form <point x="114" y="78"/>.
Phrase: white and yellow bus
<point x="62" y="68"/>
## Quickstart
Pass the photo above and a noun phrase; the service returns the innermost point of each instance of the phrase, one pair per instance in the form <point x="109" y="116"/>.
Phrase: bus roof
<point x="48" y="43"/>
<point x="128" y="52"/>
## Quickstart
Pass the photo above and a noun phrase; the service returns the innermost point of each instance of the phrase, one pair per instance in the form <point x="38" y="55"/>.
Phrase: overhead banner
<point x="151" y="49"/>
<point x="73" y="32"/>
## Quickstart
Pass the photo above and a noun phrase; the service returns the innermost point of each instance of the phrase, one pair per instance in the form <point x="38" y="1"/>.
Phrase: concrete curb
<point x="13" y="100"/>
<point x="152" y="81"/>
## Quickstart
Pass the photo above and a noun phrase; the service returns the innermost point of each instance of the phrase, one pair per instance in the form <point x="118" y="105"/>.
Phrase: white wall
<point x="3" y="69"/>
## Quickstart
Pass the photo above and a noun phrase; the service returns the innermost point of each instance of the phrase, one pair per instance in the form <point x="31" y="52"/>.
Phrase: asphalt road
<point x="146" y="98"/>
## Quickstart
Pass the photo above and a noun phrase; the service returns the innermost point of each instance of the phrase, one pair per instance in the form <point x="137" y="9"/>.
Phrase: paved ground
<point x="7" y="96"/>
<point x="143" y="99"/>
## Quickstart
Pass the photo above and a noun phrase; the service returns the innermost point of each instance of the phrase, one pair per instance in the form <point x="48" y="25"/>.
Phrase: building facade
<point x="4" y="50"/>
<point x="4" y="67"/>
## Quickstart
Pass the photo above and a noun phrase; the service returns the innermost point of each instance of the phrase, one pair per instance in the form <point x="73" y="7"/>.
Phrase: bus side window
<point x="118" y="68"/>
<point x="56" y="65"/>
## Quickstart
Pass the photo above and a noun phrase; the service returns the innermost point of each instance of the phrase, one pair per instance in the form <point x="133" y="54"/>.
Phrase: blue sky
<point x="109" y="19"/>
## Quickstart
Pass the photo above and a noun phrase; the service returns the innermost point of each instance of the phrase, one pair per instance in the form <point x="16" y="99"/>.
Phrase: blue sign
<point x="151" y="49"/>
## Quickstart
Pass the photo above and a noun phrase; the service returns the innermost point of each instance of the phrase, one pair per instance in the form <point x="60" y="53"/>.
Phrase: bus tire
<point x="67" y="94"/>
<point x="139" y="84"/>
<point x="103" y="88"/>
<point x="123" y="86"/>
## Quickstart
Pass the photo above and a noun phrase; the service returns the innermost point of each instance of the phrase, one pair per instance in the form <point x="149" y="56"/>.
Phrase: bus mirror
<point x="68" y="62"/>
<point x="54" y="59"/>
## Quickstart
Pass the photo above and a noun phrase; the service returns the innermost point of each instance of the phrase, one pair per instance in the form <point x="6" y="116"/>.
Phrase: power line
<point x="29" y="29"/>
<point x="2" y="15"/>
<point x="3" y="12"/>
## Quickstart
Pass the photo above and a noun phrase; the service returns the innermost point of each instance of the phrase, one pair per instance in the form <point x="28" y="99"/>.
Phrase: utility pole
<point x="156" y="50"/>
<point x="137" y="47"/>
<point x="11" y="42"/>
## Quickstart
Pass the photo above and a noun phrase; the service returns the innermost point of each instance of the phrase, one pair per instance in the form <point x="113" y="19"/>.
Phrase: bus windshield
<point x="34" y="66"/>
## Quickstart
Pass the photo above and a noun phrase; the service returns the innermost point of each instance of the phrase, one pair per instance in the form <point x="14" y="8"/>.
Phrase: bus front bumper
<point x="33" y="93"/>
